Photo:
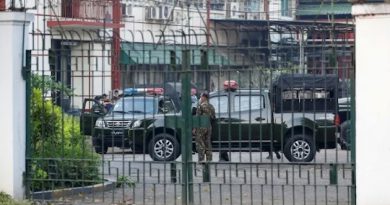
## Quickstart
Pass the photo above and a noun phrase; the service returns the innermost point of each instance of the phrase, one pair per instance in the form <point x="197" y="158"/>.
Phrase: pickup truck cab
<point x="343" y="120"/>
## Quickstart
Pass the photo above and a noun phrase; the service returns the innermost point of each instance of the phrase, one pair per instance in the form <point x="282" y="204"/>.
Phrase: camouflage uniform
<point x="203" y="134"/>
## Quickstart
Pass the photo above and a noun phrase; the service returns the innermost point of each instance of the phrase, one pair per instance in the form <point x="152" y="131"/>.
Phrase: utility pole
<point x="116" y="19"/>
<point x="204" y="53"/>
<point x="2" y="5"/>
<point x="208" y="22"/>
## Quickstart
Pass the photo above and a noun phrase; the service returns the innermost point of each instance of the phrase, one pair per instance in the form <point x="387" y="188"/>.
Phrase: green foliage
<point x="124" y="180"/>
<point x="46" y="84"/>
<point x="62" y="157"/>
<point x="7" y="200"/>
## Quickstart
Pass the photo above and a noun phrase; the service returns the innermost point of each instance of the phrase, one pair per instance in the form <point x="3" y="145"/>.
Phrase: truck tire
<point x="164" y="147"/>
<point x="299" y="148"/>
<point x="345" y="135"/>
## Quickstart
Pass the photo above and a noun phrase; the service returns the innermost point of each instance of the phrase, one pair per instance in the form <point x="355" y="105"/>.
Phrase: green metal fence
<point x="282" y="94"/>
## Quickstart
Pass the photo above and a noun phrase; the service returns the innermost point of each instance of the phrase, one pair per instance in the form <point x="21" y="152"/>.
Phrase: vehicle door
<point x="249" y="122"/>
<point x="91" y="111"/>
<point x="220" y="134"/>
<point x="241" y="119"/>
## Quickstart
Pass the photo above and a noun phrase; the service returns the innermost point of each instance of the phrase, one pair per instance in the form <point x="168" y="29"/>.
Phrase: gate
<point x="113" y="122"/>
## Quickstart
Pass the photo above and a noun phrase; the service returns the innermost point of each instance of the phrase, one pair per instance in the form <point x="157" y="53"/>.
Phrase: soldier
<point x="203" y="134"/>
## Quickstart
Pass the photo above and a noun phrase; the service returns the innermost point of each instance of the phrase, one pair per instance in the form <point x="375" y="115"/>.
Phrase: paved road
<point x="247" y="179"/>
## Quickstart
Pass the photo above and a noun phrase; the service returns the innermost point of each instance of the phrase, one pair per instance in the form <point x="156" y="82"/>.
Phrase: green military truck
<point x="296" y="117"/>
<point x="109" y="128"/>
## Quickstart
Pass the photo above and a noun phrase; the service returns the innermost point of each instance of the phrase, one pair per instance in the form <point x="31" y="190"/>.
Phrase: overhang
<point x="265" y="24"/>
<point x="324" y="9"/>
<point x="80" y="24"/>
<point x="160" y="54"/>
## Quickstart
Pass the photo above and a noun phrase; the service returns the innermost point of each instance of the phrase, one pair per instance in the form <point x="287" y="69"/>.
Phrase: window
<point x="136" y="105"/>
<point x="247" y="103"/>
<point x="286" y="7"/>
<point x="166" y="106"/>
<point x="127" y="10"/>
<point x="124" y="12"/>
<point x="220" y="103"/>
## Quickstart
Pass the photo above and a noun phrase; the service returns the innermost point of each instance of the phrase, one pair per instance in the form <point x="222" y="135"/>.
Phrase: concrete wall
<point x="91" y="71"/>
<point x="372" y="103"/>
<point x="13" y="129"/>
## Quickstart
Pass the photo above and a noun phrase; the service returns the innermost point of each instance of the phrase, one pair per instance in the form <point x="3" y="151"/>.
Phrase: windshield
<point x="136" y="105"/>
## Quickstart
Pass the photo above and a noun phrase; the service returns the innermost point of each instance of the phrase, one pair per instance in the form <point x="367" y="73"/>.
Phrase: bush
<point x="7" y="200"/>
<point x="60" y="156"/>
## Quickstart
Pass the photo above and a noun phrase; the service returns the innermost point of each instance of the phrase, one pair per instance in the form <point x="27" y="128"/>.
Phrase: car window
<point x="246" y="102"/>
<point x="136" y="105"/>
<point x="91" y="106"/>
<point x="220" y="103"/>
<point x="166" y="106"/>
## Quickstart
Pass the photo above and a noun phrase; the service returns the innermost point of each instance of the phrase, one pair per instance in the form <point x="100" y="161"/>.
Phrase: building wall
<point x="14" y="27"/>
<point x="91" y="71"/>
<point x="372" y="103"/>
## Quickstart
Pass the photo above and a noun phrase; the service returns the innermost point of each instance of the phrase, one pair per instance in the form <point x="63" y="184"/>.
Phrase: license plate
<point x="117" y="132"/>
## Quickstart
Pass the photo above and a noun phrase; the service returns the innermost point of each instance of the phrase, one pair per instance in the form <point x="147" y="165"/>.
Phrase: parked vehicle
<point x="296" y="118"/>
<point x="110" y="128"/>
<point x="343" y="121"/>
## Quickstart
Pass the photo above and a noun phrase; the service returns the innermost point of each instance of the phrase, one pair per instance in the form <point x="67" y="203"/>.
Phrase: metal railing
<point x="283" y="105"/>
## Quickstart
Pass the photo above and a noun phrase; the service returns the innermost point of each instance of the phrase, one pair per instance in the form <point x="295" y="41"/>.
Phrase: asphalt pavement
<point x="249" y="178"/>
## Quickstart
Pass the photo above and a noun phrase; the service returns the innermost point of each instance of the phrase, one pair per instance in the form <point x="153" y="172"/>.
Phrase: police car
<point x="110" y="128"/>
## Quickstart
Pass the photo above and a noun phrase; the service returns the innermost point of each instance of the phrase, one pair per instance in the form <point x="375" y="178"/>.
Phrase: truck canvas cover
<point x="305" y="93"/>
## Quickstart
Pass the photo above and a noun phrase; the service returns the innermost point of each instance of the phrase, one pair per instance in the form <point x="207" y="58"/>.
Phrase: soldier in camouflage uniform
<point x="203" y="134"/>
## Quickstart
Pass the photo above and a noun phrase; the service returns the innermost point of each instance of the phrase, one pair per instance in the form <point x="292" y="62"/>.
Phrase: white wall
<point x="138" y="24"/>
<point x="372" y="103"/>
<point x="91" y="71"/>
<point x="13" y="128"/>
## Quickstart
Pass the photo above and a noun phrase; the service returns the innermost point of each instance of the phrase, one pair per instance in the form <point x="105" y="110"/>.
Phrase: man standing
<point x="203" y="134"/>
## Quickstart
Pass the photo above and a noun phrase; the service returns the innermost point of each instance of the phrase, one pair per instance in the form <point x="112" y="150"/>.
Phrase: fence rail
<point x="275" y="89"/>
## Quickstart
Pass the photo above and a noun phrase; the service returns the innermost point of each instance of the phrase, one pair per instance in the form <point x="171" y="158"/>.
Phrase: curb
<point x="58" y="193"/>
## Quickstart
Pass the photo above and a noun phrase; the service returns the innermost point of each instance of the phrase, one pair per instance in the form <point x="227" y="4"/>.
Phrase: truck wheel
<point x="164" y="147"/>
<point x="345" y="135"/>
<point x="299" y="148"/>
<point x="101" y="150"/>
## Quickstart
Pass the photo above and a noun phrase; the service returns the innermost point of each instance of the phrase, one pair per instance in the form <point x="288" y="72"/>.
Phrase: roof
<point x="160" y="54"/>
<point x="254" y="91"/>
<point x="306" y="81"/>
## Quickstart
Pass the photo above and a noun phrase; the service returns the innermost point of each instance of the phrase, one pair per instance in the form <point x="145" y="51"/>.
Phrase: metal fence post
<point x="27" y="76"/>
<point x="204" y="66"/>
<point x="333" y="174"/>
<point x="188" y="197"/>
<point x="353" y="130"/>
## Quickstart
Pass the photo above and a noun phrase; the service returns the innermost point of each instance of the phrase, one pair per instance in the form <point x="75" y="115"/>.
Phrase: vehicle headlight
<point x="100" y="123"/>
<point x="137" y="124"/>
